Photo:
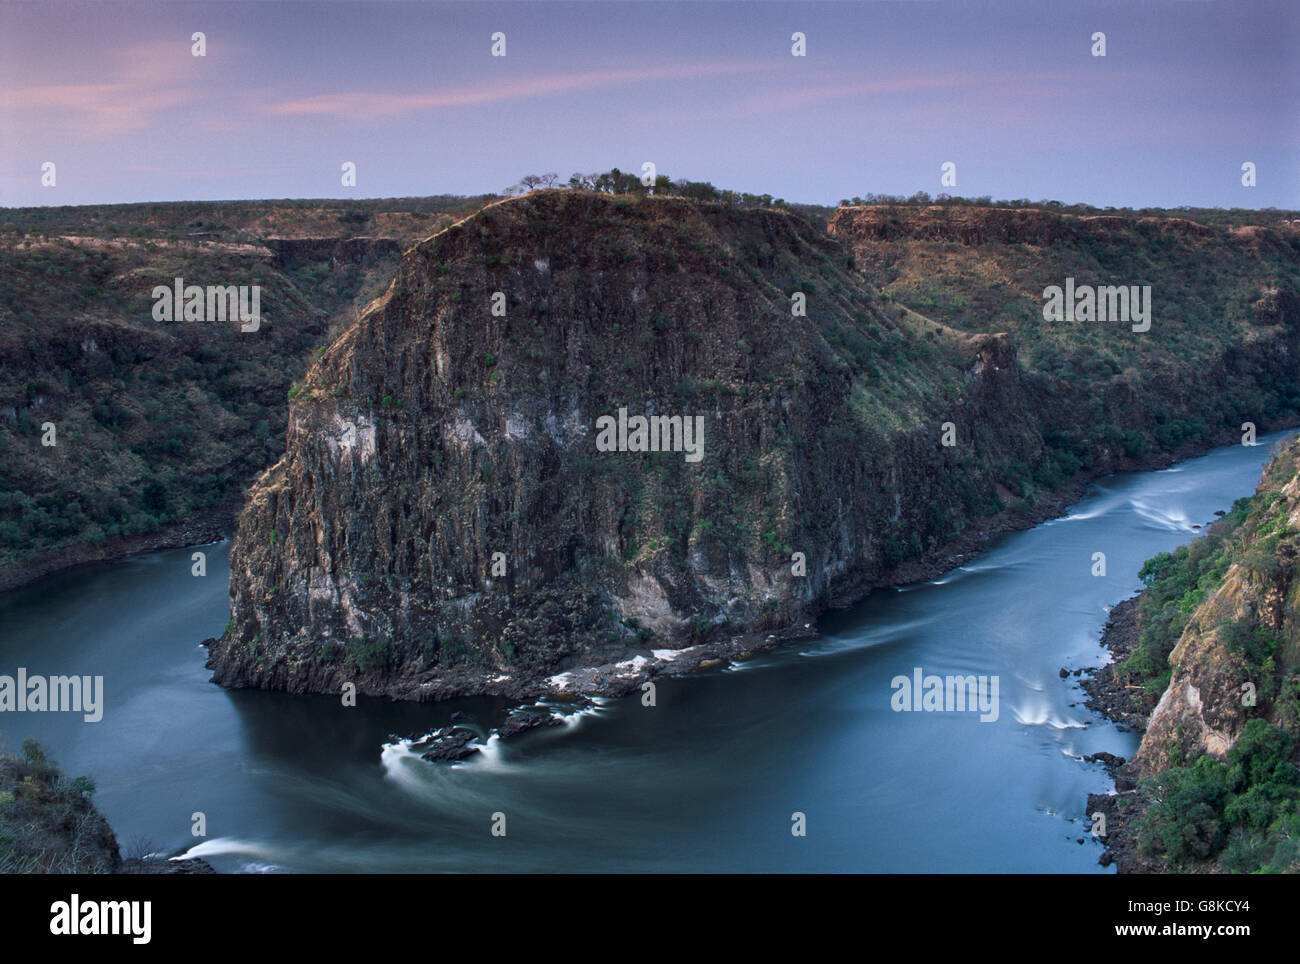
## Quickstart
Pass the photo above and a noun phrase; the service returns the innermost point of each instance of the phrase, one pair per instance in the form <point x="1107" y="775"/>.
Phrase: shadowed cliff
<point x="444" y="520"/>
<point x="433" y="434"/>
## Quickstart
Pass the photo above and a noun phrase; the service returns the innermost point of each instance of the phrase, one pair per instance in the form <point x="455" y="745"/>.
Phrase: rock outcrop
<point x="447" y="520"/>
<point x="443" y="510"/>
<point x="1216" y="781"/>
<point x="292" y="252"/>
<point x="1217" y="684"/>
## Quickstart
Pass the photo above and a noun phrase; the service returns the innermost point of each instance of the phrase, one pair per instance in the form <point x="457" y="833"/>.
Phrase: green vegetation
<point x="1246" y="808"/>
<point x="451" y="646"/>
<point x="244" y="222"/>
<point x="1176" y="583"/>
<point x="1224" y="217"/>
<point x="368" y="654"/>
<point x="48" y="823"/>
<point x="1220" y="281"/>
<point x="626" y="183"/>
<point x="157" y="421"/>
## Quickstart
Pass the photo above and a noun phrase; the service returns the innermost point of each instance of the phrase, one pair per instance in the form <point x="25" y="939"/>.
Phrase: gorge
<point x="434" y="436"/>
<point x="883" y="403"/>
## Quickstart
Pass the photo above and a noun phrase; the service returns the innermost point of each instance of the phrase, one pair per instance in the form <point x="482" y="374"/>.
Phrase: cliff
<point x="295" y="252"/>
<point x="162" y="424"/>
<point x="1239" y="655"/>
<point x="1220" y="351"/>
<point x="861" y="225"/>
<point x="1215" y="784"/>
<point x="433" y="435"/>
<point x="444" y="520"/>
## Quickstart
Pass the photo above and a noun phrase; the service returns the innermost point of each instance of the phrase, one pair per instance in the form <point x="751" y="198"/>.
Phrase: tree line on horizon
<point x="615" y="181"/>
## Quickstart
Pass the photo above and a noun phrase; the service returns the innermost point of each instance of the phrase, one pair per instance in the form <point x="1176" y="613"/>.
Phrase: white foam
<point x="487" y="758"/>
<point x="572" y="718"/>
<point x="393" y="758"/>
<point x="226" y="845"/>
<point x="1038" y="714"/>
<point x="1173" y="521"/>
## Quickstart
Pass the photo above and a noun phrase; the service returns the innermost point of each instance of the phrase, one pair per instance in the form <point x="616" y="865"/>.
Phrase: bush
<point x="1135" y="445"/>
<point x="1254" y="643"/>
<point x="48" y="824"/>
<point x="154" y="496"/>
<point x="1247" y="803"/>
<point x="1186" y="820"/>
<point x="370" y="654"/>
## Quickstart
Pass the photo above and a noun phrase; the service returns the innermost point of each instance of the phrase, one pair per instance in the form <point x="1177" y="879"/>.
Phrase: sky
<point x="1009" y="93"/>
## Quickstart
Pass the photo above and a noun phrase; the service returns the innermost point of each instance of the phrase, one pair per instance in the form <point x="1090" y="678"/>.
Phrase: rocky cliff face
<point x="1241" y="648"/>
<point x="863" y="224"/>
<point x="294" y="252"/>
<point x="161" y="425"/>
<point x="444" y="519"/>
<point x="1222" y="347"/>
<point x="1215" y="784"/>
<point x="448" y="519"/>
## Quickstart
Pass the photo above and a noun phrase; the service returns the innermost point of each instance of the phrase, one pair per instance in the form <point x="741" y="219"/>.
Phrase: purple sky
<point x="888" y="92"/>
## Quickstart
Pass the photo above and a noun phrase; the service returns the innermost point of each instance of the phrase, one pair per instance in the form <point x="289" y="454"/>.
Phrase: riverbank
<point x="307" y="784"/>
<point x="204" y="527"/>
<point x="578" y="687"/>
<point x="1211" y="629"/>
<point x="1110" y="696"/>
<point x="50" y="825"/>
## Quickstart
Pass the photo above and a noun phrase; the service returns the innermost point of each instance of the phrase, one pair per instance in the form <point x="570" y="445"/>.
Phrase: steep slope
<point x="1239" y="653"/>
<point x="433" y="435"/>
<point x="1225" y="310"/>
<point x="1218" y="783"/>
<point x="50" y="824"/>
<point x="161" y="424"/>
<point x="444" y="520"/>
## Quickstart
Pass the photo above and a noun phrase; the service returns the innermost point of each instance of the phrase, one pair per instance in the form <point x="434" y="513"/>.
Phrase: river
<point x="706" y="780"/>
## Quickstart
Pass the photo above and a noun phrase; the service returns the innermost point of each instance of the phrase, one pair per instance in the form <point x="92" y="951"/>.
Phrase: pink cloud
<point x="380" y="104"/>
<point x="145" y="80"/>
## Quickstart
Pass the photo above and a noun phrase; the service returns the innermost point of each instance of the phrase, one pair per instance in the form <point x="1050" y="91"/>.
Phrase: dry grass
<point x="48" y="824"/>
